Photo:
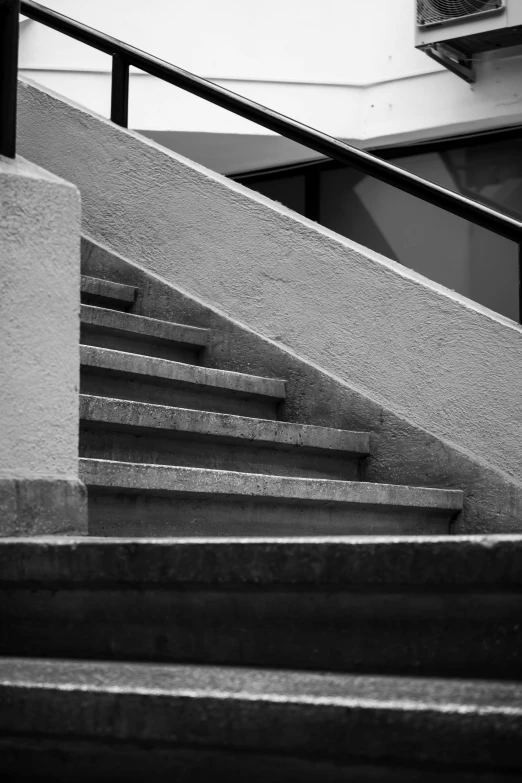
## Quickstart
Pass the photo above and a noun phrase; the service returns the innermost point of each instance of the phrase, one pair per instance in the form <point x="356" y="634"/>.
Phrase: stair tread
<point x="138" y="365"/>
<point x="254" y="486"/>
<point x="140" y="415"/>
<point x="141" y="326"/>
<point x="436" y="561"/>
<point x="344" y="715"/>
<point x="108" y="289"/>
<point x="246" y="683"/>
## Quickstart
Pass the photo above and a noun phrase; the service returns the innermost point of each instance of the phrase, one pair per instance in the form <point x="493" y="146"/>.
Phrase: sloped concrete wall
<point x="437" y="360"/>
<point x="39" y="354"/>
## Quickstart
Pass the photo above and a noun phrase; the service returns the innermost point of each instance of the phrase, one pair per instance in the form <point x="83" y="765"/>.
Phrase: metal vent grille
<point x="436" y="11"/>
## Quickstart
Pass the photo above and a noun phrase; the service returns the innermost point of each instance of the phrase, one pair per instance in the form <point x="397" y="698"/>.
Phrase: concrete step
<point x="95" y="291"/>
<point x="129" y="431"/>
<point x="109" y="373"/>
<point x="283" y="716"/>
<point x="446" y="606"/>
<point x="137" y="334"/>
<point x="138" y="499"/>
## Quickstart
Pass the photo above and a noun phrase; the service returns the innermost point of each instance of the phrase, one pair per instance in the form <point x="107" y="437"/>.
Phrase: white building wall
<point x="347" y="67"/>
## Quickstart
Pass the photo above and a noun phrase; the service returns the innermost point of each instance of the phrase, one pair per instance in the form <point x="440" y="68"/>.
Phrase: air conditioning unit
<point x="454" y="32"/>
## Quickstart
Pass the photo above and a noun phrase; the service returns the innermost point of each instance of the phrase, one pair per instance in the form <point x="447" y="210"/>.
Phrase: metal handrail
<point x="123" y="56"/>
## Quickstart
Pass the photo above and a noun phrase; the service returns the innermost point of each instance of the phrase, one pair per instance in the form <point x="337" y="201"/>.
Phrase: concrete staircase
<point x="171" y="447"/>
<point x="270" y="637"/>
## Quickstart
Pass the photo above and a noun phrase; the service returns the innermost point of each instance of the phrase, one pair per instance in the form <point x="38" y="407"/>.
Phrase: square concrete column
<point x="39" y="353"/>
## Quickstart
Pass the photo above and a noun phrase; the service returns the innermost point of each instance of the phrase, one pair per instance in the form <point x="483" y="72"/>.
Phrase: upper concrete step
<point x="317" y="717"/>
<point x="138" y="334"/>
<point x="96" y="291"/>
<point x="124" y="375"/>
<point x="442" y="606"/>
<point x="131" y="431"/>
<point x="138" y="499"/>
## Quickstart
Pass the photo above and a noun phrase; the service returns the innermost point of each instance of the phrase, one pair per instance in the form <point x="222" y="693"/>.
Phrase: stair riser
<point x="119" y="341"/>
<point x="403" y="632"/>
<point x="84" y="762"/>
<point x="126" y="514"/>
<point x="192" y="450"/>
<point x="329" y="731"/>
<point x="106" y="301"/>
<point x="105" y="384"/>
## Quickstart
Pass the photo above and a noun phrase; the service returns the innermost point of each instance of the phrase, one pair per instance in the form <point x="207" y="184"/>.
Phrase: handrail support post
<point x="9" y="26"/>
<point x="520" y="282"/>
<point x="120" y="91"/>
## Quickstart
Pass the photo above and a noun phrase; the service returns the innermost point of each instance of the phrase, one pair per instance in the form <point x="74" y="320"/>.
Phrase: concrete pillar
<point x="39" y="353"/>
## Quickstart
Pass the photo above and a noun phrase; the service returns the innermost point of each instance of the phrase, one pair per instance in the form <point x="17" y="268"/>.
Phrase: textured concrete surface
<point x="124" y="762"/>
<point x="124" y="331"/>
<point x="138" y="325"/>
<point x="180" y="373"/>
<point x="129" y="476"/>
<point x="401" y="452"/>
<point x="128" y="431"/>
<point x="99" y="289"/>
<point x="125" y="512"/>
<point x="139" y="499"/>
<point x="37" y="506"/>
<point x="395" y="630"/>
<point x="275" y="433"/>
<point x="437" y="360"/>
<point x="191" y="450"/>
<point x="39" y="289"/>
<point x="441" y="561"/>
<point x="434" y="607"/>
<point x="167" y="478"/>
<point x="315" y="715"/>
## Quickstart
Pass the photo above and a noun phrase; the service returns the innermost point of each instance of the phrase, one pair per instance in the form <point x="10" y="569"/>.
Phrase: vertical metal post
<point x="520" y="282"/>
<point x="9" y="15"/>
<point x="120" y="91"/>
<point x="312" y="195"/>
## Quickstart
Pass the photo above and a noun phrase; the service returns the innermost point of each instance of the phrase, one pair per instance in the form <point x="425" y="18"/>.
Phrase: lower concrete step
<point x="95" y="291"/>
<point x="129" y="431"/>
<point x="139" y="499"/>
<point x="137" y="334"/>
<point x="448" y="606"/>
<point x="111" y="373"/>
<point x="461" y="726"/>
